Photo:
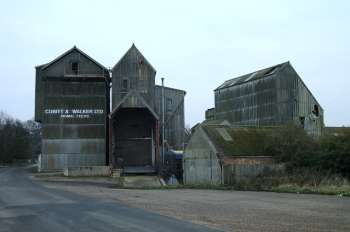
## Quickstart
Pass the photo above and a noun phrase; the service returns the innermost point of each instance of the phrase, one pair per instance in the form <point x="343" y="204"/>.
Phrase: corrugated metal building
<point x="269" y="97"/>
<point x="174" y="104"/>
<point x="137" y="112"/>
<point x="72" y="104"/>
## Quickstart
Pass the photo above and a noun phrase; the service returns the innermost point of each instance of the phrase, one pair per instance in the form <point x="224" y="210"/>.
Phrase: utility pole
<point x="163" y="130"/>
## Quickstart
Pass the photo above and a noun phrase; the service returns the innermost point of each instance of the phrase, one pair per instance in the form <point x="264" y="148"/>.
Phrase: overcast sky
<point x="195" y="45"/>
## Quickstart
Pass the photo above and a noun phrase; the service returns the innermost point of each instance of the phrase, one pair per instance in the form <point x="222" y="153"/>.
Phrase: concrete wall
<point x="200" y="162"/>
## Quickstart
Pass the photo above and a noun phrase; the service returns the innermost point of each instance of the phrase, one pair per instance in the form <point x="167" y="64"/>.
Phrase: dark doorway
<point x="134" y="133"/>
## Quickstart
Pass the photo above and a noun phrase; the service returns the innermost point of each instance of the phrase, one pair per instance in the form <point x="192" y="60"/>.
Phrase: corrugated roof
<point x="237" y="141"/>
<point x="252" y="76"/>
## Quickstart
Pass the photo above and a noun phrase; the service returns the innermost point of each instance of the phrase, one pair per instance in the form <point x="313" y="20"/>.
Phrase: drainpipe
<point x="163" y="110"/>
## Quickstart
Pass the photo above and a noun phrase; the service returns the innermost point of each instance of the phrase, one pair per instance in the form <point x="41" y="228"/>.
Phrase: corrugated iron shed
<point x="269" y="97"/>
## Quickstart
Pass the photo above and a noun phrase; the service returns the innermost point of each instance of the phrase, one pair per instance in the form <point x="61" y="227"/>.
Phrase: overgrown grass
<point x="284" y="188"/>
<point x="343" y="190"/>
<point x="301" y="181"/>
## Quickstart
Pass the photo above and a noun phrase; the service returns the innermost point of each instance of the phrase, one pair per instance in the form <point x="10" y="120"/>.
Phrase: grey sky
<point x="195" y="45"/>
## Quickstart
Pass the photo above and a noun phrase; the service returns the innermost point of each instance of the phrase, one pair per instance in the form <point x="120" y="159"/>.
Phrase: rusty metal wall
<point x="72" y="108"/>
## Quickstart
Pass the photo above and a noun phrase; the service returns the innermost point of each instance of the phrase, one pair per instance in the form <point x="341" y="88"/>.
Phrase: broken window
<point x="270" y="71"/>
<point x="75" y="67"/>
<point x="316" y="111"/>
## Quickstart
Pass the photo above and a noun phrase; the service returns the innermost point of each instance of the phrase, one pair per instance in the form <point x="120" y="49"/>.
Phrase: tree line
<point x="18" y="140"/>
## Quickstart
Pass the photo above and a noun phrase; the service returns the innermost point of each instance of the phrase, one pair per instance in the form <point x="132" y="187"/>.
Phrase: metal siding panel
<point x="79" y="139"/>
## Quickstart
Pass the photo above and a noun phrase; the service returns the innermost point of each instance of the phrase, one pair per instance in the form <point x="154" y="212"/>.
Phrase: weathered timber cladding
<point x="269" y="97"/>
<point x="72" y="105"/>
<point x="136" y="104"/>
<point x="134" y="137"/>
<point x="133" y="120"/>
<point x="174" y="115"/>
<point x="210" y="114"/>
<point x="133" y="72"/>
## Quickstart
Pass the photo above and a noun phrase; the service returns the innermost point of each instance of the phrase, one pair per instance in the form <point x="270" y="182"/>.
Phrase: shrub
<point x="326" y="155"/>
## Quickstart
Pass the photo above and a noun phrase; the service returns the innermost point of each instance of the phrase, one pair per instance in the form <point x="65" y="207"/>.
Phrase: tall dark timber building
<point x="272" y="96"/>
<point x="81" y="126"/>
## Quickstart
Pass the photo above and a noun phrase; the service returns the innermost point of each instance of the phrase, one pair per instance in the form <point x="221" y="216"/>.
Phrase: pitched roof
<point x="131" y="49"/>
<point x="237" y="141"/>
<point x="143" y="102"/>
<point x="74" y="48"/>
<point x="252" y="76"/>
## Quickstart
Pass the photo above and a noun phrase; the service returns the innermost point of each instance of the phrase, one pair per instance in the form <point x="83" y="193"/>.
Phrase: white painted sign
<point x="73" y="113"/>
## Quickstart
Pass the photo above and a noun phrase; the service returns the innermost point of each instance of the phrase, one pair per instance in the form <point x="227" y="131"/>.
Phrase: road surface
<point x="27" y="205"/>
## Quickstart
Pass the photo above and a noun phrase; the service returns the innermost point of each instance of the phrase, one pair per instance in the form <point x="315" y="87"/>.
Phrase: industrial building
<point x="218" y="153"/>
<point x="269" y="97"/>
<point x="72" y="102"/>
<point x="137" y="113"/>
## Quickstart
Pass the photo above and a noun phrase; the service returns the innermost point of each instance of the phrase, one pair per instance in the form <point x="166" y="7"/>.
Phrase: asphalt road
<point x="26" y="205"/>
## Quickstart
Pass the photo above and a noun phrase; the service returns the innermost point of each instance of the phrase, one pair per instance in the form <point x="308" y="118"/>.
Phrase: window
<point x="316" y="111"/>
<point x="75" y="67"/>
<point x="302" y="121"/>
<point x="125" y="84"/>
<point x="169" y="104"/>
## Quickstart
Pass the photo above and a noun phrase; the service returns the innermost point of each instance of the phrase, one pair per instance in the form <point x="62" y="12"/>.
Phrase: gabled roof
<point x="131" y="49"/>
<point x="74" y="48"/>
<point x="139" y="97"/>
<point x="253" y="76"/>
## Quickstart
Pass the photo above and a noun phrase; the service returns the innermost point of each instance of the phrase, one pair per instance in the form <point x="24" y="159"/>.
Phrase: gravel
<point x="232" y="210"/>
